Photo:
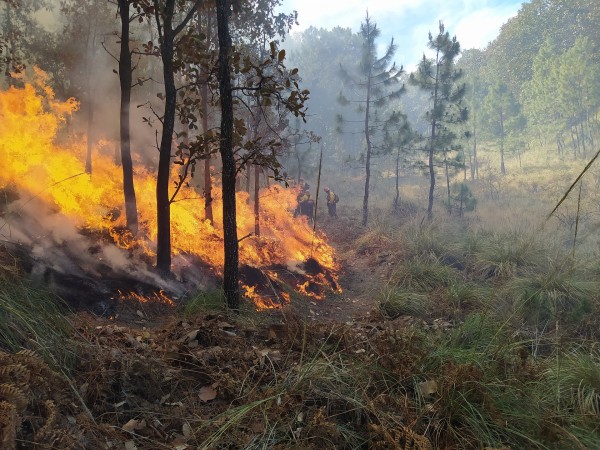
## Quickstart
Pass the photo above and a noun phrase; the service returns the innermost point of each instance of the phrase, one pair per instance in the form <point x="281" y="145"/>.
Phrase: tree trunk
<point x="10" y="44"/>
<point x="368" y="159"/>
<point x="248" y="174"/>
<point x="447" y="174"/>
<point x="256" y="200"/>
<point x="432" y="143"/>
<point x="299" y="167"/>
<point x="91" y="38"/>
<point x="125" y="71"/>
<point x="474" y="165"/>
<point x="502" y="168"/>
<point x="583" y="141"/>
<point x="163" y="205"/>
<point x="208" y="212"/>
<point x="397" y="199"/>
<point x="90" y="130"/>
<point x="471" y="167"/>
<point x="230" y="270"/>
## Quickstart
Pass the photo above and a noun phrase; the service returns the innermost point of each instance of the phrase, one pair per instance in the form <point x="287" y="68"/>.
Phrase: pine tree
<point x="439" y="76"/>
<point x="502" y="115"/>
<point x="376" y="79"/>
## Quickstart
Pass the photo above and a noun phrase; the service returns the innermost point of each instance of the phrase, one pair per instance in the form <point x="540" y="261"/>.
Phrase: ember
<point x="30" y="118"/>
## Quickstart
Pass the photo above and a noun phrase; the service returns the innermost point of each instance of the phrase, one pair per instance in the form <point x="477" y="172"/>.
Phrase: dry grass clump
<point x="31" y="317"/>
<point x="562" y="292"/>
<point x="397" y="301"/>
<point x="382" y="234"/>
<point x="38" y="408"/>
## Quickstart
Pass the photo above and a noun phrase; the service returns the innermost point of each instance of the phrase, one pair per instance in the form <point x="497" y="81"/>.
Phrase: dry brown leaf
<point x="181" y="446"/>
<point x="130" y="445"/>
<point x="207" y="393"/>
<point x="190" y="336"/>
<point x="134" y="425"/>
<point x="426" y="388"/>
<point x="179" y="443"/>
<point x="187" y="430"/>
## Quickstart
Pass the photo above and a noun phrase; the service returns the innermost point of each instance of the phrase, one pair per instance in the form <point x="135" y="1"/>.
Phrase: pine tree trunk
<point x="475" y="167"/>
<point x="502" y="168"/>
<point x="248" y="174"/>
<point x="163" y="205"/>
<point x="397" y="199"/>
<point x="432" y="143"/>
<point x="90" y="130"/>
<point x="208" y="212"/>
<point x="125" y="71"/>
<point x="256" y="200"/>
<point x="583" y="141"/>
<point x="447" y="174"/>
<point x="231" y="270"/>
<point x="91" y="37"/>
<point x="365" y="217"/>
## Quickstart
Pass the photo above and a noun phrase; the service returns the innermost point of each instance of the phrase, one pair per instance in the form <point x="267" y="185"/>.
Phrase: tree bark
<point x="447" y="175"/>
<point x="397" y="198"/>
<point x="502" y="168"/>
<point x="91" y="39"/>
<point x="432" y="143"/>
<point x="475" y="168"/>
<point x="248" y="174"/>
<point x="368" y="159"/>
<point x="163" y="205"/>
<point x="230" y="271"/>
<point x="90" y="130"/>
<point x="208" y="212"/>
<point x="256" y="200"/>
<point x="125" y="71"/>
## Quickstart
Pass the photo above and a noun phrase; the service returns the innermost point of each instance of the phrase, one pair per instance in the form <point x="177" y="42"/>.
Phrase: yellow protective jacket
<point x="331" y="197"/>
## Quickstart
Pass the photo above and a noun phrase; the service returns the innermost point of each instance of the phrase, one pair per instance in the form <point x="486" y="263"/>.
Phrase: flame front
<point x="30" y="118"/>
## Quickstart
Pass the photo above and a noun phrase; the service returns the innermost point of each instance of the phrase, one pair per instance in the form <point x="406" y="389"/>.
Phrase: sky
<point x="474" y="22"/>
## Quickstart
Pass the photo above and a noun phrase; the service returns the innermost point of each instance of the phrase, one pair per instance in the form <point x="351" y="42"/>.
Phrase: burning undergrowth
<point x="271" y="287"/>
<point x="73" y="224"/>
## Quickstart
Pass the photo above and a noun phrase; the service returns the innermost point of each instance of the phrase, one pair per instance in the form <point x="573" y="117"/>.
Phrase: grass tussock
<point x="560" y="292"/>
<point x="204" y="301"/>
<point x="398" y="301"/>
<point x="504" y="255"/>
<point x="504" y="372"/>
<point x="33" y="318"/>
<point x="424" y="274"/>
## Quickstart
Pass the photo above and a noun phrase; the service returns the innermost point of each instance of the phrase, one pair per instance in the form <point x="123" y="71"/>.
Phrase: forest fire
<point x="40" y="169"/>
<point x="156" y="297"/>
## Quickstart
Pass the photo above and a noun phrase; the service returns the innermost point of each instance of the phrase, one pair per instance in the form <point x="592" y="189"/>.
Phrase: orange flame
<point x="30" y="118"/>
<point x="156" y="297"/>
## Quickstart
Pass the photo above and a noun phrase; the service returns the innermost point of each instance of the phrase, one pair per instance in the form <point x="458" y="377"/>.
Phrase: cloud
<point x="474" y="22"/>
<point x="479" y="28"/>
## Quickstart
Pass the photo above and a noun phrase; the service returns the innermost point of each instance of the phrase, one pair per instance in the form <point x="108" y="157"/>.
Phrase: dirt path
<point x="363" y="276"/>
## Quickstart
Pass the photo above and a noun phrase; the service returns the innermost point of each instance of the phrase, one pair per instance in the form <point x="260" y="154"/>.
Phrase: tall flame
<point x="30" y="118"/>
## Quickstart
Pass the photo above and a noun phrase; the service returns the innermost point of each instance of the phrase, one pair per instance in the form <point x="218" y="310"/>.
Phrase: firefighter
<point x="332" y="200"/>
<point x="303" y="200"/>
